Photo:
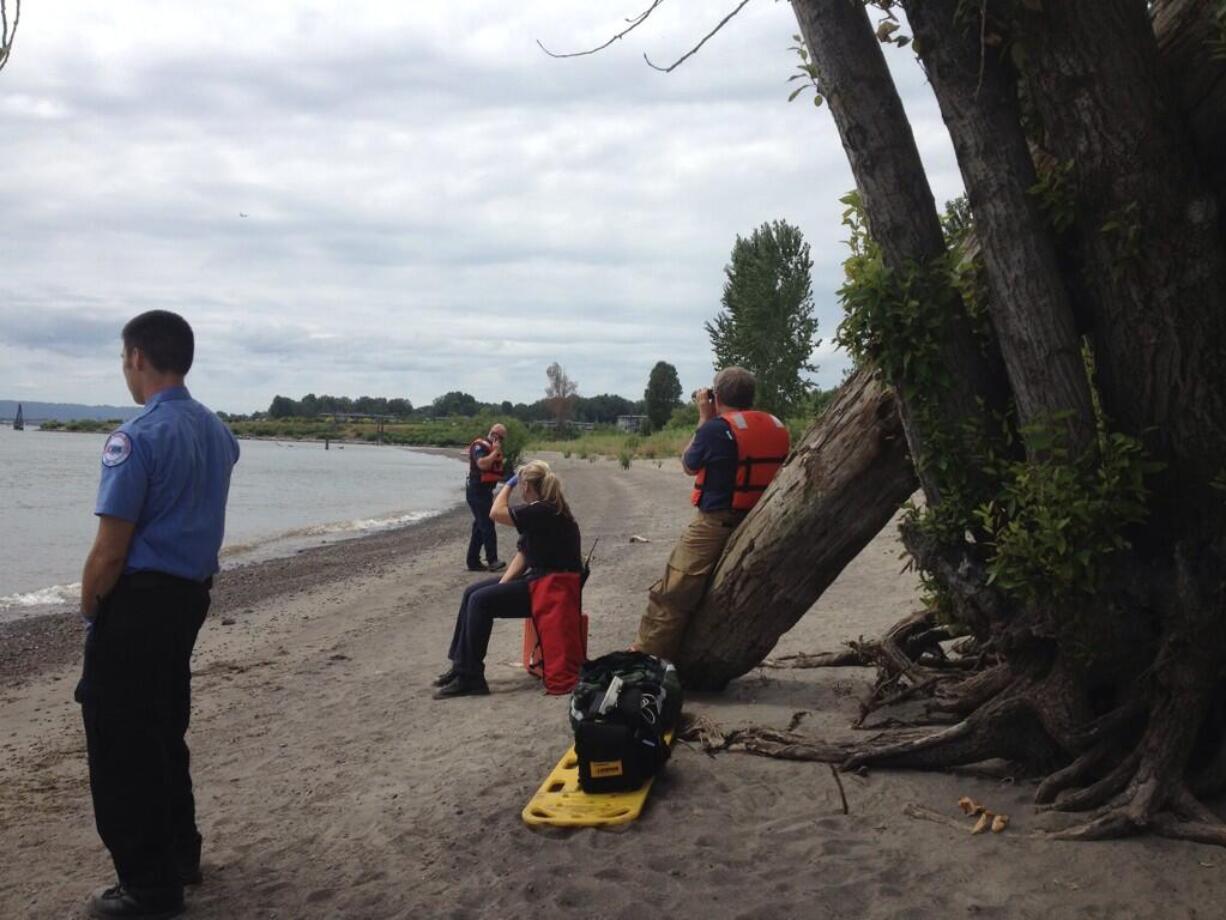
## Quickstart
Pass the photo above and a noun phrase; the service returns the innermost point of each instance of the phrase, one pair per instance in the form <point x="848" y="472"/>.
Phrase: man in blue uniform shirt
<point x="144" y="595"/>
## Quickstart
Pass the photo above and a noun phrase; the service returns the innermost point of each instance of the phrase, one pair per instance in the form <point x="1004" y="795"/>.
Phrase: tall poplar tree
<point x="767" y="324"/>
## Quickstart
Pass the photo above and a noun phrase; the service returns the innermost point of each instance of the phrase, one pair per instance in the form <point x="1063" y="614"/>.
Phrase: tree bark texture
<point x="898" y="202"/>
<point x="1193" y="59"/>
<point x="841" y="484"/>
<point x="1149" y="239"/>
<point x="1029" y="303"/>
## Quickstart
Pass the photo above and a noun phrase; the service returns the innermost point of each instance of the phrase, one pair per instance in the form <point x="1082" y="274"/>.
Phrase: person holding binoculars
<point x="733" y="455"/>
<point x="548" y="544"/>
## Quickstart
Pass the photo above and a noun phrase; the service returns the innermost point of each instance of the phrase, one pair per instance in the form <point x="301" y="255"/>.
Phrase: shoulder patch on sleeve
<point x="118" y="448"/>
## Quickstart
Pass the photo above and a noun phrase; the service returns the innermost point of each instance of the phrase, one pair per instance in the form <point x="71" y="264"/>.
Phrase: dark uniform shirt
<point x="714" y="449"/>
<point x="475" y="453"/>
<point x="548" y="539"/>
<point x="168" y="471"/>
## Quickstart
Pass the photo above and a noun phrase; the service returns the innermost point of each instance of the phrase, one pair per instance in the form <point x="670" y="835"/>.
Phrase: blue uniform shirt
<point x="714" y="449"/>
<point x="476" y="452"/>
<point x="168" y="471"/>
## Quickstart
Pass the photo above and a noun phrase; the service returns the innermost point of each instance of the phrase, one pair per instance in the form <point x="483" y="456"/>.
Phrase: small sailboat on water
<point x="19" y="423"/>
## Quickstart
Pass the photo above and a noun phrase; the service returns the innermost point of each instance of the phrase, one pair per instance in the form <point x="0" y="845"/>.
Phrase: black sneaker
<point x="463" y="685"/>
<point x="477" y="568"/>
<point x="496" y="566"/>
<point x="118" y="901"/>
<point x="446" y="677"/>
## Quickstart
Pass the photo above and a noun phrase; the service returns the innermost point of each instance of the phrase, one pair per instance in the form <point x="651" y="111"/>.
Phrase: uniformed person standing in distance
<point x="734" y="454"/>
<point x="144" y="593"/>
<point x="485" y="470"/>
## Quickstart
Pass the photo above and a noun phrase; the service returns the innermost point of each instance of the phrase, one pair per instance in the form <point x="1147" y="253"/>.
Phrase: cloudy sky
<point x="431" y="202"/>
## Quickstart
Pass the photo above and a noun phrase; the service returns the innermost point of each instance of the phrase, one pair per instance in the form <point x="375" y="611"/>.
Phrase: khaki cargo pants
<point x="672" y="600"/>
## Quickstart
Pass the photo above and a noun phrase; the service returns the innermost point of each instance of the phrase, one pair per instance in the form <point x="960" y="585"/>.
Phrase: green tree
<point x="455" y="403"/>
<point x="767" y="324"/>
<point x="282" y="407"/>
<point x="663" y="393"/>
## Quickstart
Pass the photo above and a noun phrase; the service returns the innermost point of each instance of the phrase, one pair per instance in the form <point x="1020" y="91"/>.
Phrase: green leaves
<point x="766" y="323"/>
<point x="1057" y="519"/>
<point x="806" y="70"/>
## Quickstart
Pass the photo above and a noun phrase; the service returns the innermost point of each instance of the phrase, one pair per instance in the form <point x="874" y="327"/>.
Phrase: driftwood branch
<point x="693" y="51"/>
<point x="635" y="22"/>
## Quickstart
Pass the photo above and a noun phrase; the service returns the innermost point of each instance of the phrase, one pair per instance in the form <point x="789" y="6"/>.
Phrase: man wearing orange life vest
<point x="733" y="455"/>
<point x="484" y="472"/>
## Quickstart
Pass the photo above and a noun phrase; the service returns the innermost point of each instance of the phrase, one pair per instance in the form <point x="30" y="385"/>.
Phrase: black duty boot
<point x="136" y="904"/>
<point x="446" y="677"/>
<point x="463" y="685"/>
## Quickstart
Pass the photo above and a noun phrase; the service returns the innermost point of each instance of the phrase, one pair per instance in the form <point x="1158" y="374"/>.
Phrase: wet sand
<point x="330" y="784"/>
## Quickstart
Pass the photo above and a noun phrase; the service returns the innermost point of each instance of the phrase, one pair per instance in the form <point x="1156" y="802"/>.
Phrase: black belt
<point x="146" y="580"/>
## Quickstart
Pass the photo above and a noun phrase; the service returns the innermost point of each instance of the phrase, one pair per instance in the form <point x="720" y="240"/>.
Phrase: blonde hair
<point x="545" y="483"/>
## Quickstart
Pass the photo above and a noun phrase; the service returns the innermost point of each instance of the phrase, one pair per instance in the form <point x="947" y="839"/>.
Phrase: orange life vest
<point x="475" y="473"/>
<point x="762" y="444"/>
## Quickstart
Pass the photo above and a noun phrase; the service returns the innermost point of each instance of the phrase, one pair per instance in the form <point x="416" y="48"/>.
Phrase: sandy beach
<point x="330" y="784"/>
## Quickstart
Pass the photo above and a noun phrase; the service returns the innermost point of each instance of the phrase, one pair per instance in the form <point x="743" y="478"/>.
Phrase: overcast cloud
<point x="432" y="203"/>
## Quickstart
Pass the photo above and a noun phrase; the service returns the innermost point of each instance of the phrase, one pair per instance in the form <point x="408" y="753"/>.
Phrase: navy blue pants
<point x="480" y="501"/>
<point x="135" y="695"/>
<point x="483" y="602"/>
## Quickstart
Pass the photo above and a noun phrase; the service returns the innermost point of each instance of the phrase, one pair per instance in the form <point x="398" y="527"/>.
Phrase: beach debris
<point x="638" y="538"/>
<point x="969" y="806"/>
<point x="988" y="820"/>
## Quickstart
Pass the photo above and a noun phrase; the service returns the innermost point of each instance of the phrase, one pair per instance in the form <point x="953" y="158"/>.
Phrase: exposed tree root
<point x="849" y="658"/>
<point x="1100" y="792"/>
<point x="1081" y="769"/>
<point x="1138" y="766"/>
<point x="766" y="742"/>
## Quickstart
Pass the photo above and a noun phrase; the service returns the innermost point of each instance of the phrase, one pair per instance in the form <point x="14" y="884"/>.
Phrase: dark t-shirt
<point x="475" y="452"/>
<point x="549" y="540"/>
<point x="714" y="450"/>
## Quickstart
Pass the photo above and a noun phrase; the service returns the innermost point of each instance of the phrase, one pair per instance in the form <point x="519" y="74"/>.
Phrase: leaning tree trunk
<point x="841" y="484"/>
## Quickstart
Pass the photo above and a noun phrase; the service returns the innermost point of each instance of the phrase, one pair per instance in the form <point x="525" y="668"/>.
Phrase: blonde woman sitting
<point x="548" y="544"/>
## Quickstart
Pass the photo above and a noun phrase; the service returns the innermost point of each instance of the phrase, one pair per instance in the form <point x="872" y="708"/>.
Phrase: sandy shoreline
<point x="329" y="784"/>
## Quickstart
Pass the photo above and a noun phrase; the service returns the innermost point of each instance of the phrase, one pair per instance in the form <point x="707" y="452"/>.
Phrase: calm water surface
<point x="283" y="496"/>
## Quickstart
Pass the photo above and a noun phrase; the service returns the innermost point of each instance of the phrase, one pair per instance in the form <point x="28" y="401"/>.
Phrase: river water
<point x="283" y="496"/>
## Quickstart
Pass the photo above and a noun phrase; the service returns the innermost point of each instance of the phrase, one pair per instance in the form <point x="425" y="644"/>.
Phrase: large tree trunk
<point x="900" y="211"/>
<point x="1029" y="303"/>
<point x="1192" y="49"/>
<point x="844" y="480"/>
<point x="1149" y="242"/>
<point x="1115" y="693"/>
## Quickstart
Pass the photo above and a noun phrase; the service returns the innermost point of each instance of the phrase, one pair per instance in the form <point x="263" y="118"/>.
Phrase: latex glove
<point x="512" y="481"/>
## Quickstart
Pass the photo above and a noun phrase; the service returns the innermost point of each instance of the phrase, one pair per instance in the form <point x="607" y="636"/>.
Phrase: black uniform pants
<point x="484" y="602"/>
<point x="480" y="501"/>
<point x="135" y="696"/>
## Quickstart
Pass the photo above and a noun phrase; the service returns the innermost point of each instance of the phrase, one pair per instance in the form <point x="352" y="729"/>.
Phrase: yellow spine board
<point x="561" y="803"/>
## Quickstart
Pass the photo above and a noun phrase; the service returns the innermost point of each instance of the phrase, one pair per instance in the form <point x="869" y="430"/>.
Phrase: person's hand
<point x="512" y="481"/>
<point x="706" y="404"/>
